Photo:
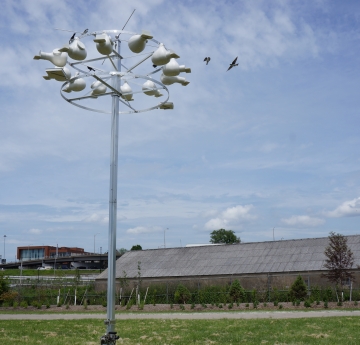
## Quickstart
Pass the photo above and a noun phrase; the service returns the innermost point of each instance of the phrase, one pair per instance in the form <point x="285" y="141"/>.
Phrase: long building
<point x="41" y="252"/>
<point x="258" y="265"/>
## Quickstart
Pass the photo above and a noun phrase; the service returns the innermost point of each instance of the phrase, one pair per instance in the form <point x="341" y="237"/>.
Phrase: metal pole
<point x="113" y="201"/>
<point x="94" y="241"/>
<point x="4" y="246"/>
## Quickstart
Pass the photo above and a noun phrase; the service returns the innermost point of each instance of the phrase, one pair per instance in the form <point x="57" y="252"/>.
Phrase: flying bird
<point x="85" y="32"/>
<point x="207" y="59"/>
<point x="233" y="64"/>
<point x="72" y="37"/>
<point x="90" y="68"/>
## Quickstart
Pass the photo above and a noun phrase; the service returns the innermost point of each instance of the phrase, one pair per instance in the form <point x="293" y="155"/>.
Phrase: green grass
<point x="332" y="330"/>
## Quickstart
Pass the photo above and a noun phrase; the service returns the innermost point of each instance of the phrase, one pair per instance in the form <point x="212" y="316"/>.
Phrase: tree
<point x="4" y="284"/>
<point x="339" y="260"/>
<point x="224" y="236"/>
<point x="236" y="292"/>
<point x="182" y="294"/>
<point x="298" y="290"/>
<point x="121" y="251"/>
<point x="136" y="247"/>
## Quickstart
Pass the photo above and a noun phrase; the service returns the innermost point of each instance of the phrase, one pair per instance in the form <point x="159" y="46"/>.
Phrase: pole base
<point x="109" y="339"/>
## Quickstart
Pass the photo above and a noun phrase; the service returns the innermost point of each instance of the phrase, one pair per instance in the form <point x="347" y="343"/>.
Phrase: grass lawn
<point x="331" y="330"/>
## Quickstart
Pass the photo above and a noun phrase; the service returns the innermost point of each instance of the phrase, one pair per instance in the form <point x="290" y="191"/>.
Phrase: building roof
<point x="244" y="258"/>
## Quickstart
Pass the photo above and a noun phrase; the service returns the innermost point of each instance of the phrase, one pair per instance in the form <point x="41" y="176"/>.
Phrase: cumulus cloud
<point x="231" y="217"/>
<point x="35" y="231"/>
<point x="97" y="218"/>
<point x="144" y="230"/>
<point x="303" y="221"/>
<point x="346" y="209"/>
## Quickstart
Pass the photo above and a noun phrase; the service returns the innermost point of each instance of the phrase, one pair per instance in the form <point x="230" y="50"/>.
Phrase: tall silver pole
<point x="113" y="201"/>
<point x="4" y="247"/>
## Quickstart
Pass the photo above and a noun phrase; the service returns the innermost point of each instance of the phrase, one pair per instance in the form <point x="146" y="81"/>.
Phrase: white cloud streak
<point x="303" y="221"/>
<point x="144" y="230"/>
<point x="349" y="208"/>
<point x="232" y="216"/>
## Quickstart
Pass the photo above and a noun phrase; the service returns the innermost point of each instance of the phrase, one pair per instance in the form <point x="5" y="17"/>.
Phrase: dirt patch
<point x="285" y="306"/>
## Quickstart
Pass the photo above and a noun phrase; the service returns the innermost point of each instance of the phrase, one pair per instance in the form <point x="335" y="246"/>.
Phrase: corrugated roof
<point x="243" y="258"/>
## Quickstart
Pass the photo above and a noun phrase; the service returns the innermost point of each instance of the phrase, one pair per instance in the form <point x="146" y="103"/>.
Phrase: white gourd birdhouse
<point x="162" y="56"/>
<point x="126" y="91"/>
<point x="171" y="80"/>
<point x="137" y="43"/>
<point x="104" y="45"/>
<point x="57" y="73"/>
<point x="76" y="49"/>
<point x="98" y="88"/>
<point x="149" y="89"/>
<point x="75" y="84"/>
<point x="173" y="69"/>
<point x="57" y="57"/>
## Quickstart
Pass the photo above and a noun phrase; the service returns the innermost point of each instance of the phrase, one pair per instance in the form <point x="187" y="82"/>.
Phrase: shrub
<point x="182" y="307"/>
<point x="307" y="304"/>
<point x="297" y="302"/>
<point x="280" y="306"/>
<point x="236" y="291"/>
<point x="182" y="294"/>
<point x="230" y="305"/>
<point x="255" y="304"/>
<point x="192" y="305"/>
<point x="171" y="305"/>
<point x="247" y="305"/>
<point x="276" y="303"/>
<point x="4" y="285"/>
<point x="23" y="304"/>
<point x="265" y="304"/>
<point x="15" y="304"/>
<point x="339" y="304"/>
<point x="326" y="304"/>
<point x="298" y="289"/>
<point x="355" y="303"/>
<point x="317" y="302"/>
<point x="8" y="297"/>
<point x="129" y="305"/>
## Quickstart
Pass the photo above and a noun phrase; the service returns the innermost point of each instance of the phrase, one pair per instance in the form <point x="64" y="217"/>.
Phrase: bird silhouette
<point x="85" y="32"/>
<point x="90" y="68"/>
<point x="233" y="64"/>
<point x="207" y="59"/>
<point x="72" y="38"/>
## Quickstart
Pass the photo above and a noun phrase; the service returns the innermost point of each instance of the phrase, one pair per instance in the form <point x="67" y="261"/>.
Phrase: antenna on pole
<point x="128" y="20"/>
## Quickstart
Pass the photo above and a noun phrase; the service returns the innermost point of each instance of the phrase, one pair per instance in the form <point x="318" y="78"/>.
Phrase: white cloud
<point x="303" y="221"/>
<point x="346" y="209"/>
<point x="144" y="230"/>
<point x="97" y="218"/>
<point x="268" y="147"/>
<point x="35" y="231"/>
<point x="231" y="217"/>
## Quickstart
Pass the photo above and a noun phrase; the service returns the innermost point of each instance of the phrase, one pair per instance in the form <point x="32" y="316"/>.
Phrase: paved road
<point x="186" y="316"/>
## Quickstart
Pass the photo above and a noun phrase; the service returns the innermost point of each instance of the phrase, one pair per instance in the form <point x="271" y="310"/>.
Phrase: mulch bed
<point x="188" y="307"/>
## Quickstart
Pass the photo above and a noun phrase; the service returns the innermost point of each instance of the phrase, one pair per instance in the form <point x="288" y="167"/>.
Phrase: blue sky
<point x="272" y="144"/>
